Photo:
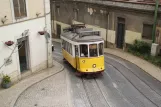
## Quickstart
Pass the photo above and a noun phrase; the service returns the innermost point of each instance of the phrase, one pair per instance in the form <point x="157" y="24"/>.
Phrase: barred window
<point x="147" y="31"/>
<point x="19" y="8"/>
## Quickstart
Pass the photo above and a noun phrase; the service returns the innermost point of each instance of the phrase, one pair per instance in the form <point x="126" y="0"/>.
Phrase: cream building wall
<point x="33" y="7"/>
<point x="5" y="10"/>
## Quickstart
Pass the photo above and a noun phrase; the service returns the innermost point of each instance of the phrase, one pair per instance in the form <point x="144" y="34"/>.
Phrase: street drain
<point x="35" y="105"/>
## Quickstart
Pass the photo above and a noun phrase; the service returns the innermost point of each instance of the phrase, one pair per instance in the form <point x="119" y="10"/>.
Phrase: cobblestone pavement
<point x="51" y="92"/>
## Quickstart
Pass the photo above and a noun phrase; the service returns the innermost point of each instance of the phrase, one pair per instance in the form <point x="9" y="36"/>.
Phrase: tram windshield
<point x="101" y="49"/>
<point x="93" y="50"/>
<point x="84" y="50"/>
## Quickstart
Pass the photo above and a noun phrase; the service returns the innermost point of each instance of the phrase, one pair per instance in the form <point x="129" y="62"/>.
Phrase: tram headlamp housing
<point x="94" y="65"/>
<point x="83" y="61"/>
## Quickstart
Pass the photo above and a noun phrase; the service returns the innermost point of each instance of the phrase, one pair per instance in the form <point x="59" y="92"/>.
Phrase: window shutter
<point x="147" y="31"/>
<point x="16" y="8"/>
<point x="22" y="8"/>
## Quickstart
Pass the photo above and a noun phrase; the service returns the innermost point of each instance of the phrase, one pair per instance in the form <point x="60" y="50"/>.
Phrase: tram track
<point x="136" y="76"/>
<point x="86" y="93"/>
<point x="132" y="83"/>
<point x="104" y="102"/>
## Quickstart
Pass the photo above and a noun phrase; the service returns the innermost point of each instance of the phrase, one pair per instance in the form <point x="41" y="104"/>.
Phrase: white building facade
<point x="20" y="22"/>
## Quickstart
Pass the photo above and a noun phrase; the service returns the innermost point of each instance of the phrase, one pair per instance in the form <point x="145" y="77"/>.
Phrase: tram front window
<point x="84" y="50"/>
<point x="93" y="50"/>
<point x="101" y="49"/>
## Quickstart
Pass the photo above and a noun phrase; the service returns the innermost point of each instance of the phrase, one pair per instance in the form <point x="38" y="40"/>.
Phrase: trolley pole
<point x="155" y="20"/>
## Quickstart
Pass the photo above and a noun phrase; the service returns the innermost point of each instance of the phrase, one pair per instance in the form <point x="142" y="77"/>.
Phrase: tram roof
<point x="79" y="37"/>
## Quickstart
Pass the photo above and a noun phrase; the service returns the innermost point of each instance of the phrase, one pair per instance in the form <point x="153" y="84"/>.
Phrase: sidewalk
<point x="9" y="96"/>
<point x="146" y="66"/>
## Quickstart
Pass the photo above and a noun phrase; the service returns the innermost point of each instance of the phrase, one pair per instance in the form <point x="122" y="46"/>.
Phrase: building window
<point x="19" y="8"/>
<point x="147" y="31"/>
<point x="58" y="10"/>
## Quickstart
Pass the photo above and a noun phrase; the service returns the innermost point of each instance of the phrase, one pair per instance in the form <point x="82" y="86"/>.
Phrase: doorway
<point x="120" y="32"/>
<point x="58" y="29"/>
<point x="23" y="56"/>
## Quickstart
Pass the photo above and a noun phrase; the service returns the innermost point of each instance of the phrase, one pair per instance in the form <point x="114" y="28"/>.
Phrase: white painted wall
<point x="38" y="53"/>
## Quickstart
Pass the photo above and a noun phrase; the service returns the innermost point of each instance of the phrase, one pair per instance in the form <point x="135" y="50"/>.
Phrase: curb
<point x="16" y="99"/>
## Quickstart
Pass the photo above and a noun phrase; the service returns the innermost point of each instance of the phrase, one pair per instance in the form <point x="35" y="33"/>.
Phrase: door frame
<point x="57" y="30"/>
<point x="116" y="34"/>
<point x="27" y="52"/>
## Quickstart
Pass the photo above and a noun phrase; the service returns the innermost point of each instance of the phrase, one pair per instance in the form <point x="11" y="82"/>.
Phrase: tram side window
<point x="101" y="49"/>
<point x="63" y="44"/>
<point x="70" y="47"/>
<point x="93" y="50"/>
<point x="84" y="50"/>
<point x="76" y="50"/>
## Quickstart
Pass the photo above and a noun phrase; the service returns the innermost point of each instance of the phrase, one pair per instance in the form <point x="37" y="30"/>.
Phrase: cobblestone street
<point x="51" y="92"/>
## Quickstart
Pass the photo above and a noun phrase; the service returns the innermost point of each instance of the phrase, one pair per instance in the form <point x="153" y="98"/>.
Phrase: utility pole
<point x="47" y="28"/>
<point x="155" y="20"/>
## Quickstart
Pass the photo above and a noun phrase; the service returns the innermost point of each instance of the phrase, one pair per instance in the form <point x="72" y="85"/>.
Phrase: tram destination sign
<point x="89" y="33"/>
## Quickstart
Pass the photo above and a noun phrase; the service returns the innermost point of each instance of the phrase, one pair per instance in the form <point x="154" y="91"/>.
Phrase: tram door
<point x="77" y="56"/>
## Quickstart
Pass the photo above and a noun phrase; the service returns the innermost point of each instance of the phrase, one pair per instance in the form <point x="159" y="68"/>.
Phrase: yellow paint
<point x="131" y="36"/>
<point x="69" y="58"/>
<point x="85" y="64"/>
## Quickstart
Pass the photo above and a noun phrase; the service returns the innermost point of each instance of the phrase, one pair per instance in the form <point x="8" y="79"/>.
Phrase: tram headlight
<point x="83" y="61"/>
<point x="94" y="65"/>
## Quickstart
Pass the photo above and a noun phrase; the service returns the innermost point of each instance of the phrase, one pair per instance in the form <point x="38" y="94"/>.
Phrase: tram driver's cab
<point x="91" y="58"/>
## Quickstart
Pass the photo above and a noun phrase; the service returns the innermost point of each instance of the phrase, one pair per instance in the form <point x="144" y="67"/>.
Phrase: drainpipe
<point x="47" y="36"/>
<point x="53" y="16"/>
<point x="107" y="27"/>
<point x="155" y="20"/>
<point x="45" y="32"/>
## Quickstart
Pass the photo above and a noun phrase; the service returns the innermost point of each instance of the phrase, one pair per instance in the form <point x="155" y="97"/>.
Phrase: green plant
<point x="6" y="79"/>
<point x="142" y="50"/>
<point x="141" y="47"/>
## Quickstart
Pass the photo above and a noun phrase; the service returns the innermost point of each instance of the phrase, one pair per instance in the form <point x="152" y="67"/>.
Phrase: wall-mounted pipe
<point x="155" y="20"/>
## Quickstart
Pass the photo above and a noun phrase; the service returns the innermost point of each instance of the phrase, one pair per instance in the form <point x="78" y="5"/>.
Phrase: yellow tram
<point x="83" y="49"/>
